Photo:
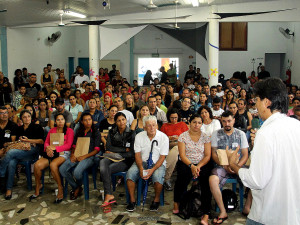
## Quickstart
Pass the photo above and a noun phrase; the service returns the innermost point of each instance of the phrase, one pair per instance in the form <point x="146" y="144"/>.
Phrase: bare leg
<point x="108" y="197"/>
<point x="54" y="166"/>
<point x="248" y="203"/>
<point x="131" y="188"/>
<point x="204" y="220"/>
<point x="216" y="192"/>
<point x="39" y="166"/>
<point x="158" y="188"/>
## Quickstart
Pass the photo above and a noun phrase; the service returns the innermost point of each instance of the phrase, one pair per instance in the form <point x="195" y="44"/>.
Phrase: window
<point x="233" y="36"/>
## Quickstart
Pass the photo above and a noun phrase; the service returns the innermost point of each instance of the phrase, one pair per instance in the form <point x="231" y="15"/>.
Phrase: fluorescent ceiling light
<point x="202" y="1"/>
<point x="195" y="3"/>
<point x="75" y="14"/>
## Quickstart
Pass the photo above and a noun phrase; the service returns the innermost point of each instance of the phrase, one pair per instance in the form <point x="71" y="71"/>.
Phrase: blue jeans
<point x="134" y="173"/>
<point x="252" y="222"/>
<point x="10" y="161"/>
<point x="74" y="177"/>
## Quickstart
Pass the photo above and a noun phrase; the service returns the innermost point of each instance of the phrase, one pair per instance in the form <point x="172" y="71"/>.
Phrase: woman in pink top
<point x="54" y="157"/>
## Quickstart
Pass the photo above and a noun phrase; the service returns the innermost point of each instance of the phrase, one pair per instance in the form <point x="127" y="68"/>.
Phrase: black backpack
<point x="190" y="204"/>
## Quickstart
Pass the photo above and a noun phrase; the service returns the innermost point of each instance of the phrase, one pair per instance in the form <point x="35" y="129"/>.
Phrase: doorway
<point x="274" y="63"/>
<point x="84" y="63"/>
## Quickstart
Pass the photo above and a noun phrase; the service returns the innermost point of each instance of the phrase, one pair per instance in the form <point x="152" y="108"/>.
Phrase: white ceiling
<point x="27" y="12"/>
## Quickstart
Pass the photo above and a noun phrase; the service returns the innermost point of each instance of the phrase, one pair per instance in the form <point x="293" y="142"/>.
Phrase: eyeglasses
<point x="187" y="102"/>
<point x="3" y="113"/>
<point x="173" y="118"/>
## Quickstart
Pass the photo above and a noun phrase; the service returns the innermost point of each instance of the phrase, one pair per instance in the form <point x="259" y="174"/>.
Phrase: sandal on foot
<point x="108" y="203"/>
<point x="175" y="211"/>
<point x="219" y="218"/>
<point x="106" y="209"/>
<point x="33" y="197"/>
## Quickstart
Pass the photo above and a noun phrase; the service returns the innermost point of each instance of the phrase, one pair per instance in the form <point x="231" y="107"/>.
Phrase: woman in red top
<point x="54" y="157"/>
<point x="172" y="129"/>
<point x="103" y="77"/>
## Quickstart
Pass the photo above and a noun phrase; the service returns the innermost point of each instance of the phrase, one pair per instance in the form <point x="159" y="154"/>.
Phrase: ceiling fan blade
<point x="96" y="22"/>
<point x="227" y="15"/>
<point x="3" y="10"/>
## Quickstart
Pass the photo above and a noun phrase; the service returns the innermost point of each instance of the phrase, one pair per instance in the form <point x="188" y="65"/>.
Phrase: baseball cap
<point x="219" y="84"/>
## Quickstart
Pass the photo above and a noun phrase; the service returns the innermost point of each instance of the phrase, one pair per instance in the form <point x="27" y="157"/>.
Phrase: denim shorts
<point x="134" y="173"/>
<point x="223" y="175"/>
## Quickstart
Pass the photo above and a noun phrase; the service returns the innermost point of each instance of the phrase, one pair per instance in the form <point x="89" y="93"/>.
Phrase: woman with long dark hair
<point x="29" y="132"/>
<point x="229" y="97"/>
<point x="74" y="167"/>
<point x="54" y="156"/>
<point x="120" y="142"/>
<point x="18" y="80"/>
<point x="195" y="151"/>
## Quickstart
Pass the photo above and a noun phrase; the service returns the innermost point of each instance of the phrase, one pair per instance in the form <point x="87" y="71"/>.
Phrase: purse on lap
<point x="21" y="145"/>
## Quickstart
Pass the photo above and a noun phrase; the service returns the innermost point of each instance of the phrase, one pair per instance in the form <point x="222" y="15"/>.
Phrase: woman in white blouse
<point x="209" y="124"/>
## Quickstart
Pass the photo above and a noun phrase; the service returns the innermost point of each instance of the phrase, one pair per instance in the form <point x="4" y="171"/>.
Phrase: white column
<point x="94" y="53"/>
<point x="213" y="49"/>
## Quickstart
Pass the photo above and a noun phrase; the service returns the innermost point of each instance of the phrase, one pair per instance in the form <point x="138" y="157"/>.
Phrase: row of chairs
<point x="94" y="170"/>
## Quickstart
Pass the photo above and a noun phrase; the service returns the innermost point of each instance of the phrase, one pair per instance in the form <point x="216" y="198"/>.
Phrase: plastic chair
<point x="140" y="190"/>
<point x="85" y="180"/>
<point x="28" y="174"/>
<point x="114" y="183"/>
<point x="234" y="181"/>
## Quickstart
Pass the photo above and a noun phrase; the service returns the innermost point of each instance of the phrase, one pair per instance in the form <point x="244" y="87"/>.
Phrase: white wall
<point x="263" y="37"/>
<point x="26" y="47"/>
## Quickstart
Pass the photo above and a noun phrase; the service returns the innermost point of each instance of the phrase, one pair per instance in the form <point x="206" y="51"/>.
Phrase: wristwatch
<point x="190" y="165"/>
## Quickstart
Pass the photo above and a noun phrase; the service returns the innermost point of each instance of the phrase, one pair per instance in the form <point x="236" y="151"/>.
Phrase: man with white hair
<point x="142" y="147"/>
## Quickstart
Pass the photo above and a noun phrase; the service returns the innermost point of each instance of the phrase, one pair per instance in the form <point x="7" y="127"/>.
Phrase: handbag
<point x="21" y="145"/>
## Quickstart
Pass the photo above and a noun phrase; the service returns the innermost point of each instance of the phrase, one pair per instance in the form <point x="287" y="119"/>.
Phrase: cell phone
<point x="255" y="123"/>
<point x="117" y="219"/>
<point x="145" y="172"/>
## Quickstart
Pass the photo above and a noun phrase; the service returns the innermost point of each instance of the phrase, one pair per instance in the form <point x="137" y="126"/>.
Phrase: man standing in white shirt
<point x="142" y="147"/>
<point x="80" y="78"/>
<point x="272" y="175"/>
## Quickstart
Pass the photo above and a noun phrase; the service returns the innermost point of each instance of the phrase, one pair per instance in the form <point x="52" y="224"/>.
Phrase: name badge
<point x="127" y="145"/>
<point x="46" y="119"/>
<point x="7" y="135"/>
<point x="55" y="143"/>
<point x="234" y="145"/>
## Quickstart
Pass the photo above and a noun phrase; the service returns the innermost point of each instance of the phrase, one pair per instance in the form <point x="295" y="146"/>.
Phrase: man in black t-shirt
<point x="190" y="73"/>
<point x="32" y="88"/>
<point x="7" y="128"/>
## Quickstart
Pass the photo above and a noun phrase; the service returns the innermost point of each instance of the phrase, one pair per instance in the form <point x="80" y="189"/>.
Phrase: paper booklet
<point x="56" y="139"/>
<point x="82" y="146"/>
<point x="223" y="158"/>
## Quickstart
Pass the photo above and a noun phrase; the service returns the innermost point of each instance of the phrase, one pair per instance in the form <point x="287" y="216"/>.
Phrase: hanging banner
<point x="111" y="38"/>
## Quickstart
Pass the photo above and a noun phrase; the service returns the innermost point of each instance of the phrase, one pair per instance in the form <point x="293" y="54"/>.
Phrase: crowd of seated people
<point x="182" y="124"/>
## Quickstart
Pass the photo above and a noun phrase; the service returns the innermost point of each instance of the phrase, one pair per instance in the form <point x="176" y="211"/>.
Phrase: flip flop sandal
<point x="222" y="220"/>
<point x="106" y="209"/>
<point x="108" y="203"/>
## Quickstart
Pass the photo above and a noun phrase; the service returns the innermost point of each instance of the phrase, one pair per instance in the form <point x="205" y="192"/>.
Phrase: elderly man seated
<point x="142" y="148"/>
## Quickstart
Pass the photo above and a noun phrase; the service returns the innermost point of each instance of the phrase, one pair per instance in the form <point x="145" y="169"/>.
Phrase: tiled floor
<point x="80" y="212"/>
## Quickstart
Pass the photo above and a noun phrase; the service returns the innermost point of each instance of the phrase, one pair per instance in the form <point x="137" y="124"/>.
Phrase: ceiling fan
<point x="61" y="24"/>
<point x="151" y="5"/>
<point x="286" y="32"/>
